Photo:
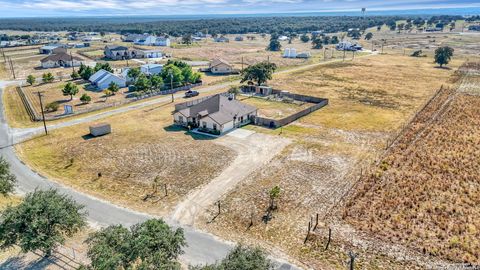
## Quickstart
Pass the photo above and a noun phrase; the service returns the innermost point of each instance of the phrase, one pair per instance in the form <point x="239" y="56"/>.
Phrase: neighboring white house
<point x="151" y="69"/>
<point x="60" y="60"/>
<point x="162" y="41"/>
<point x="152" y="54"/>
<point x="220" y="66"/>
<point x="282" y="38"/>
<point x="102" y="79"/>
<point x="152" y="41"/>
<point x="215" y="114"/>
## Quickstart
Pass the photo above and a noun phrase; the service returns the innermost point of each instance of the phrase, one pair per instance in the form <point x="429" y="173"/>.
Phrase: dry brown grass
<point x="369" y="100"/>
<point x="15" y="112"/>
<point x="274" y="109"/>
<point x="423" y="194"/>
<point x="129" y="159"/>
<point x="52" y="92"/>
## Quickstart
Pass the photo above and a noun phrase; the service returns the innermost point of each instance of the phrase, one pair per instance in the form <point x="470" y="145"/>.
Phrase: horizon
<point x="230" y="8"/>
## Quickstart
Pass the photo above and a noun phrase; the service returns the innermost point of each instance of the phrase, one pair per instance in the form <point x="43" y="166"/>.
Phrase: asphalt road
<point x="202" y="247"/>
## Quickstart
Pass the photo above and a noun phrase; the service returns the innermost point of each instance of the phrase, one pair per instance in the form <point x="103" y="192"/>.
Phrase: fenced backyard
<point x="274" y="122"/>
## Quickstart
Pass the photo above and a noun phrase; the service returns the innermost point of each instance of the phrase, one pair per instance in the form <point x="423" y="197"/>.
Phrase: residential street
<point x="202" y="248"/>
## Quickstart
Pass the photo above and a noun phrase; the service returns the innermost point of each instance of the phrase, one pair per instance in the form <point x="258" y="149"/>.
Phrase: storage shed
<point x="100" y="129"/>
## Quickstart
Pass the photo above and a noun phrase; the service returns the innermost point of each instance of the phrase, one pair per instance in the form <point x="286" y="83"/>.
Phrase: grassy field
<point x="370" y="99"/>
<point x="129" y="159"/>
<point x="423" y="192"/>
<point x="15" y="112"/>
<point x="52" y="92"/>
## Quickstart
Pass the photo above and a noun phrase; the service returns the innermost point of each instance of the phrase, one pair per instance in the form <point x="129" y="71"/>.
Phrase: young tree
<point x="334" y="40"/>
<point x="274" y="193"/>
<point x="113" y="87"/>
<point x="369" y="36"/>
<point x="70" y="89"/>
<point x="86" y="73"/>
<point x="260" y="73"/>
<point x="31" y="79"/>
<point x="142" y="83"/>
<point x="172" y="70"/>
<point x="443" y="55"/>
<point x="187" y="39"/>
<point x="75" y="75"/>
<point x="274" y="44"/>
<point x="104" y="66"/>
<point x="157" y="82"/>
<point x="7" y="180"/>
<point x="85" y="98"/>
<point x="47" y="77"/>
<point x="317" y="43"/>
<point x="241" y="257"/>
<point x="150" y="245"/>
<point x="304" y="38"/>
<point x="133" y="73"/>
<point x="41" y="221"/>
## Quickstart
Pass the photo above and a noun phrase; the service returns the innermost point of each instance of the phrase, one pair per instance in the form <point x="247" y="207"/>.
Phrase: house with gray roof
<point x="215" y="114"/>
<point x="52" y="48"/>
<point x="102" y="79"/>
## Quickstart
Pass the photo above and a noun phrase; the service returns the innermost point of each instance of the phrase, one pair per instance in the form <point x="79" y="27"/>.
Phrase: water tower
<point x="364" y="10"/>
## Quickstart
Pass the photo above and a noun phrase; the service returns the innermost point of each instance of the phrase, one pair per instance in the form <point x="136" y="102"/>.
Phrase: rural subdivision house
<point x="220" y="66"/>
<point x="53" y="48"/>
<point x="151" y="53"/>
<point x="215" y="114"/>
<point x="151" y="69"/>
<point x="102" y="79"/>
<point x="152" y="41"/>
<point x="115" y="52"/>
<point x="60" y="60"/>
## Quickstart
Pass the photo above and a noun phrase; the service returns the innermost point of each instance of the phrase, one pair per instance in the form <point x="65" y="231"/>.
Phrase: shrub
<point x="85" y="98"/>
<point x="52" y="107"/>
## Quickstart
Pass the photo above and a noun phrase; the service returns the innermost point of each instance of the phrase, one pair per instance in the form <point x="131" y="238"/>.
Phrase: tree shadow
<point x="24" y="262"/>
<point x="444" y="67"/>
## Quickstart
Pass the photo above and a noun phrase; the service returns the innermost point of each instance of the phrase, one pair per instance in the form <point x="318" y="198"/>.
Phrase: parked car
<point x="191" y="93"/>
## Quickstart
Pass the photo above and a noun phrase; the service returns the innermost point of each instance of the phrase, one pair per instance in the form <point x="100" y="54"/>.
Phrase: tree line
<point x="280" y="25"/>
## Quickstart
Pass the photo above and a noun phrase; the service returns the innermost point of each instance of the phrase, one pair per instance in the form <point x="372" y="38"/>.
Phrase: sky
<point x="40" y="8"/>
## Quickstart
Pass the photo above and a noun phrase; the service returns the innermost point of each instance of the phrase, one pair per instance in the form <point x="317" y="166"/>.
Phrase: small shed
<point x="100" y="129"/>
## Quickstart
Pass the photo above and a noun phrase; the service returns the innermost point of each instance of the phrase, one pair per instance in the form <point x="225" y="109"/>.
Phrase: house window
<point x="204" y="124"/>
<point x="241" y="119"/>
<point x="180" y="119"/>
<point x="214" y="126"/>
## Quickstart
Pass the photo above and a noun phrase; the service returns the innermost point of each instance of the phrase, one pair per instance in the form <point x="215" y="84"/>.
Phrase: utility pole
<point x="43" y="114"/>
<point x="353" y="55"/>
<point x="71" y="59"/>
<point x="11" y="67"/>
<point x="344" y="52"/>
<point x="171" y="85"/>
<point x="324" y="53"/>
<point x="242" y="63"/>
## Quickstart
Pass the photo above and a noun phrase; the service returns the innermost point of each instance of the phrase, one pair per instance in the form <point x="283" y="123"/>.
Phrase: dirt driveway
<point x="254" y="150"/>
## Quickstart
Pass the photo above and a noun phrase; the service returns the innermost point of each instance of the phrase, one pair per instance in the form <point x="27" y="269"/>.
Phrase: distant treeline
<point x="241" y="25"/>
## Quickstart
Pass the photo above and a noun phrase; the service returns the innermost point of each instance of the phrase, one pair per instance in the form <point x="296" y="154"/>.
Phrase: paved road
<point x="202" y="247"/>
